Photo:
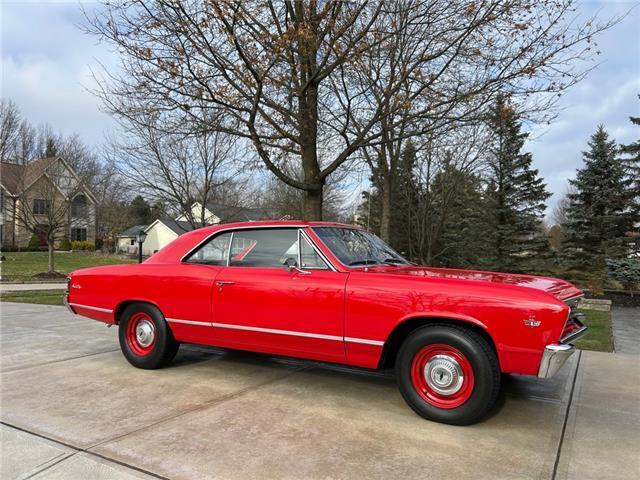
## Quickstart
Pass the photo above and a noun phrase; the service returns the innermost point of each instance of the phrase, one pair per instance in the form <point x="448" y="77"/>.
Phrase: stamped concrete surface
<point x="74" y="408"/>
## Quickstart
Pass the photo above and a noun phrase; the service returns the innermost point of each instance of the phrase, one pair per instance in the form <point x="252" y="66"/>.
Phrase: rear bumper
<point x="553" y="358"/>
<point x="65" y="300"/>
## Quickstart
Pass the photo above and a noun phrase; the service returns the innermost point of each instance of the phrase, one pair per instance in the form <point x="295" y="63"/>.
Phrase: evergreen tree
<point x="631" y="159"/>
<point x="141" y="211"/>
<point x="463" y="240"/>
<point x="404" y="195"/>
<point x="516" y="197"/>
<point x="599" y="213"/>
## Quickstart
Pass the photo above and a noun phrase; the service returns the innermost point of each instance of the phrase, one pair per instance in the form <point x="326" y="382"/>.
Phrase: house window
<point x="40" y="207"/>
<point x="79" y="234"/>
<point x="133" y="241"/>
<point x="79" y="206"/>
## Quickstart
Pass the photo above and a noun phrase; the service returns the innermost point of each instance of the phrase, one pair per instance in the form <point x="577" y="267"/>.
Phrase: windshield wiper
<point x="362" y="262"/>
<point x="393" y="261"/>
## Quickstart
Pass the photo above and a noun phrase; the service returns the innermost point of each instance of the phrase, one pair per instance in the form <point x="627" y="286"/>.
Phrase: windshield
<point x="357" y="247"/>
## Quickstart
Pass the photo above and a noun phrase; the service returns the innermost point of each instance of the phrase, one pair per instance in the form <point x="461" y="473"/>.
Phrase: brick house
<point x="42" y="185"/>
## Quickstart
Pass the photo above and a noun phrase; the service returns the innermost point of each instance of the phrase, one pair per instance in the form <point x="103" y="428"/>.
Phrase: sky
<point x="47" y="62"/>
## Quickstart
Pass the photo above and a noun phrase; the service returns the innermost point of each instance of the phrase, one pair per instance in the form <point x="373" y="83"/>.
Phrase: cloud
<point x="608" y="96"/>
<point x="46" y="61"/>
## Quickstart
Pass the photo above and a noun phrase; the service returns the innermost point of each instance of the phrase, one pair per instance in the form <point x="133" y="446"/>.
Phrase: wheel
<point x="145" y="339"/>
<point x="448" y="374"/>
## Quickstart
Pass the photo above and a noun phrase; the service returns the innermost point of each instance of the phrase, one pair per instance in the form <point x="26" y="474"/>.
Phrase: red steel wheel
<point x="442" y="376"/>
<point x="141" y="334"/>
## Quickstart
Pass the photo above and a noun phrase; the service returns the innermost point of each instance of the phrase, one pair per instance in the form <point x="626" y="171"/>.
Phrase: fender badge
<point x="531" y="322"/>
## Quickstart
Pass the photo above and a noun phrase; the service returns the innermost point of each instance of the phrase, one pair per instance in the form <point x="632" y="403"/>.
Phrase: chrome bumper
<point x="553" y="358"/>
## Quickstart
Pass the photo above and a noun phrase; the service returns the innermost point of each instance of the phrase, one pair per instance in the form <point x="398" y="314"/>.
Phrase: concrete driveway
<point x="72" y="407"/>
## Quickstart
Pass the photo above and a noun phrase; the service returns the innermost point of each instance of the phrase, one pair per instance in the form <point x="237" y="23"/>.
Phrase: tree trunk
<point x="50" y="247"/>
<point x="313" y="204"/>
<point x="385" y="214"/>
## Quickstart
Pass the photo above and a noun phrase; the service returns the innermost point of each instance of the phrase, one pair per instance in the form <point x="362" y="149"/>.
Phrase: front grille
<point x="574" y="328"/>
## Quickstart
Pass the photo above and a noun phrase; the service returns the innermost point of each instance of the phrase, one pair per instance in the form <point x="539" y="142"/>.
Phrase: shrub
<point x="65" y="244"/>
<point x="34" y="242"/>
<point x="626" y="271"/>
<point x="85" y="245"/>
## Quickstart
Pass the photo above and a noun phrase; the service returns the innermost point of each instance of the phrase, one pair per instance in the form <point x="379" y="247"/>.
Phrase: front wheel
<point x="145" y="339"/>
<point x="448" y="374"/>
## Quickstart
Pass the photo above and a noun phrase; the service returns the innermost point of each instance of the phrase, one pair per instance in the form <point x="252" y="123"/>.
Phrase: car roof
<point x="276" y="223"/>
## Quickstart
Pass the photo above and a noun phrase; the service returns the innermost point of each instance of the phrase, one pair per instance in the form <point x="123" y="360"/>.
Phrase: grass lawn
<point x="600" y="336"/>
<point x="21" y="266"/>
<point x="42" y="297"/>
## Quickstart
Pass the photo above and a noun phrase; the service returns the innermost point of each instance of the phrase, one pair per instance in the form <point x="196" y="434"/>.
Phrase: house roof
<point x="177" y="227"/>
<point x="132" y="231"/>
<point x="228" y="213"/>
<point x="15" y="176"/>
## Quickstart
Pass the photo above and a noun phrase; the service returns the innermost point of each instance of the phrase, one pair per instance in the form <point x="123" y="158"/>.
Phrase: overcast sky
<point x="47" y="60"/>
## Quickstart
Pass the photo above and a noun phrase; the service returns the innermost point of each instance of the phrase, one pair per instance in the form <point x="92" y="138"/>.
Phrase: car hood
<point x="558" y="288"/>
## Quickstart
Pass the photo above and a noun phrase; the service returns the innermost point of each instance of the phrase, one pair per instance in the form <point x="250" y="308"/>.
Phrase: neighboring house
<point x="162" y="232"/>
<point x="126" y="242"/>
<point x="25" y="183"/>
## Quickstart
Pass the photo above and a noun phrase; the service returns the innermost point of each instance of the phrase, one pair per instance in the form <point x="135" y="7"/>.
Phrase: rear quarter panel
<point x="377" y="303"/>
<point x="180" y="290"/>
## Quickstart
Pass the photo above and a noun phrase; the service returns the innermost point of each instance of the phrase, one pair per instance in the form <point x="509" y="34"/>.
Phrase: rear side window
<point x="263" y="248"/>
<point x="214" y="252"/>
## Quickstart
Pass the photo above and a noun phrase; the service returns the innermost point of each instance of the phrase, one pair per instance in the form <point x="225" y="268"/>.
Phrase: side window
<point x="214" y="252"/>
<point x="263" y="248"/>
<point x="308" y="256"/>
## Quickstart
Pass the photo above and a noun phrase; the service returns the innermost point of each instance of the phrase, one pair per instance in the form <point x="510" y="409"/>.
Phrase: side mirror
<point x="290" y="263"/>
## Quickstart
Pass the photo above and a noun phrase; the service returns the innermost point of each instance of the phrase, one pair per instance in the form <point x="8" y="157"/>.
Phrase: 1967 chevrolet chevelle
<point x="337" y="293"/>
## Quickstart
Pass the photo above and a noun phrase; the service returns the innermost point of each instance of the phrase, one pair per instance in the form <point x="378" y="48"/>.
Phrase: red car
<point x="337" y="293"/>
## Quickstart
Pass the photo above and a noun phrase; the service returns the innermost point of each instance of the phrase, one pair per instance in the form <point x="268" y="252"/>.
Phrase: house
<point x="47" y="190"/>
<point x="163" y="231"/>
<point x="127" y="242"/>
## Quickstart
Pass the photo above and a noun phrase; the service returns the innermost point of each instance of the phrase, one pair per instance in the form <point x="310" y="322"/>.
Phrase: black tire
<point x="479" y="396"/>
<point x="163" y="347"/>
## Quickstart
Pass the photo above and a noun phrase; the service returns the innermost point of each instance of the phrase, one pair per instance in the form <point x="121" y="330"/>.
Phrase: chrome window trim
<point x="319" y="252"/>
<point x="300" y="228"/>
<point x="229" y="249"/>
<point x="233" y="229"/>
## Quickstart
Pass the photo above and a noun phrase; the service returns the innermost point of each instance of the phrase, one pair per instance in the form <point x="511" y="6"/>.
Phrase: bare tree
<point x="18" y="138"/>
<point x="447" y="60"/>
<point x="175" y="168"/>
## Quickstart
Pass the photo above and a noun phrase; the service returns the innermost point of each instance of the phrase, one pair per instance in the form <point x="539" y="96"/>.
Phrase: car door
<point x="278" y="295"/>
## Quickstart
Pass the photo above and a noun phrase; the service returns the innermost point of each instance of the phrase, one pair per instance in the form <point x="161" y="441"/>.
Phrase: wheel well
<point x="402" y="331"/>
<point x="120" y="308"/>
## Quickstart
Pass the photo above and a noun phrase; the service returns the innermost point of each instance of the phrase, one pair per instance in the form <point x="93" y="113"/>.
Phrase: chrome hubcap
<point x="443" y="374"/>
<point x="145" y="333"/>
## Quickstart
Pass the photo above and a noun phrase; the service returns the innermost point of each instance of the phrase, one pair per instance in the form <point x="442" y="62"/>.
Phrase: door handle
<point x="221" y="283"/>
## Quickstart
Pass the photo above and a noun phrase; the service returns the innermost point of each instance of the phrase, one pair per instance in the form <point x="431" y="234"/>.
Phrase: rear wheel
<point x="145" y="339"/>
<point x="448" y="374"/>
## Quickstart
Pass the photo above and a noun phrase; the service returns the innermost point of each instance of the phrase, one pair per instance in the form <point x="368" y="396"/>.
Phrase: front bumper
<point x="556" y="354"/>
<point x="553" y="358"/>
